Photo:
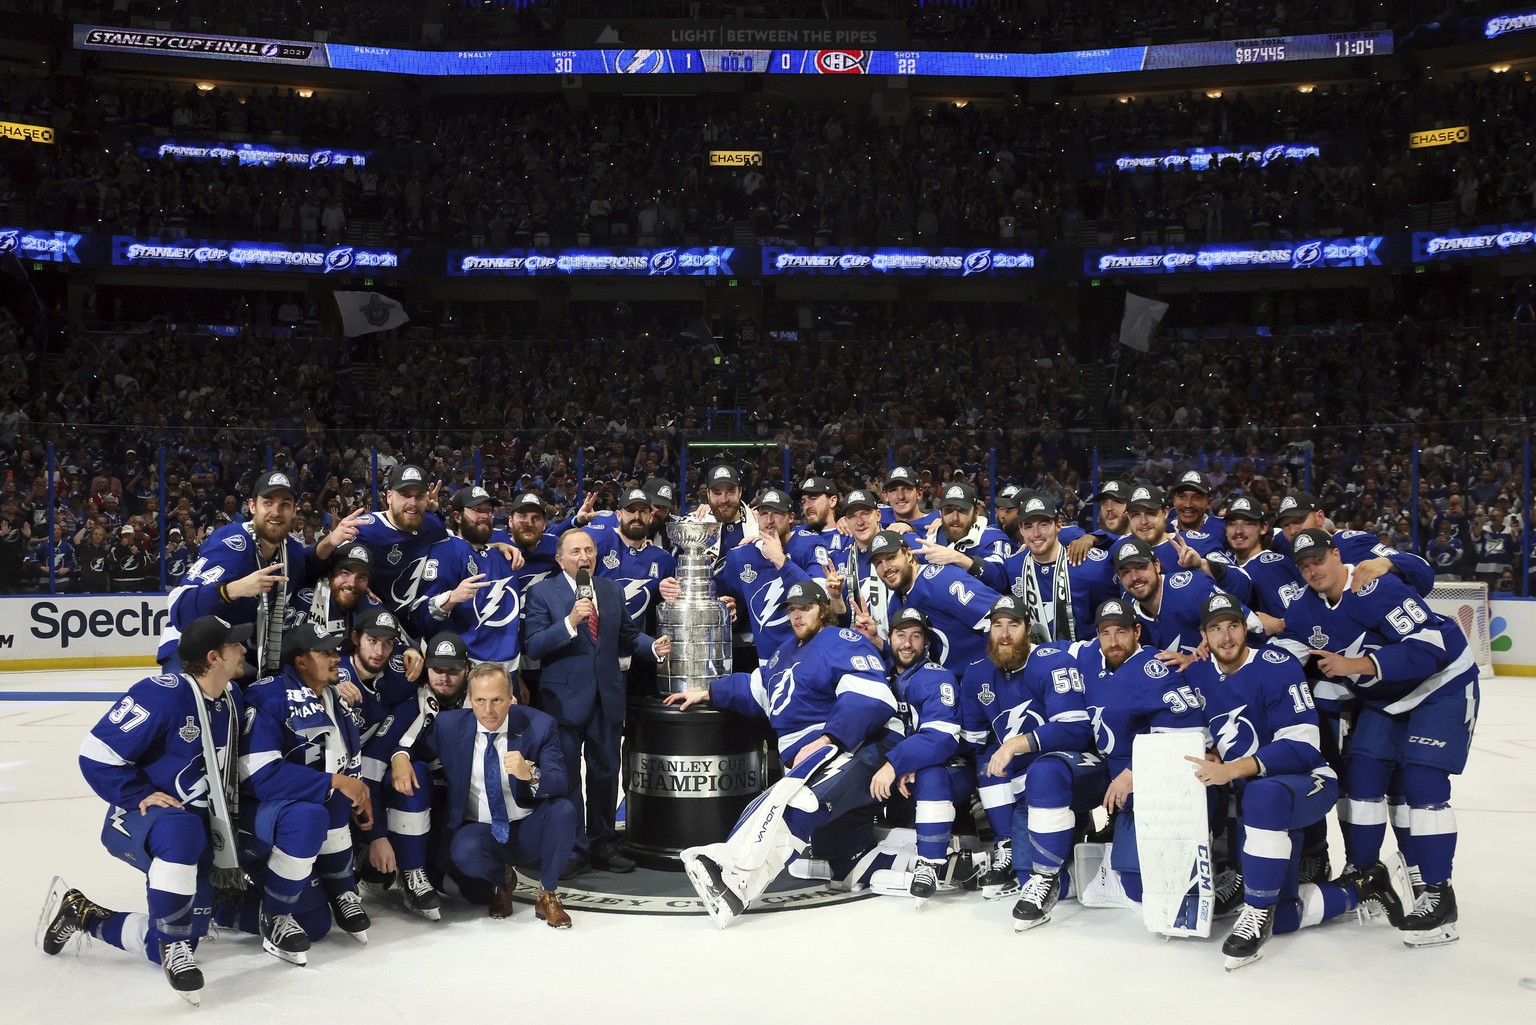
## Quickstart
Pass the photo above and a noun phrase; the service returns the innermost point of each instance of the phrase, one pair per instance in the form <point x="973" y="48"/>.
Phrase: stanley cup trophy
<point x="688" y="774"/>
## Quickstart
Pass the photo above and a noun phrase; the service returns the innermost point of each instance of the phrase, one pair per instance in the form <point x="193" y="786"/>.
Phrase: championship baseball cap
<point x="1245" y="508"/>
<point x="909" y="616"/>
<point x="773" y="498"/>
<point x="126" y="528"/>
<point x="1146" y="496"/>
<point x="1035" y="505"/>
<point x="1133" y="550"/>
<point x="900" y="476"/>
<point x="1217" y="605"/>
<point x="958" y="495"/>
<point x="408" y="475"/>
<point x="205" y="633"/>
<point x="1312" y="542"/>
<point x="661" y="492"/>
<point x="725" y="473"/>
<point x="858" y="498"/>
<point x="376" y="621"/>
<point x="1008" y="498"/>
<point x="886" y="542"/>
<point x="471" y="497"/>
<point x="354" y="553"/>
<point x="818" y="486"/>
<point x="634" y="496"/>
<point x="308" y="637"/>
<point x="1115" y="610"/>
<point x="446" y="650"/>
<point x="1192" y="480"/>
<point x="1295" y="506"/>
<point x="1009" y="606"/>
<point x="274" y="480"/>
<point x="1115" y="488"/>
<point x="527" y="500"/>
<point x="806" y="592"/>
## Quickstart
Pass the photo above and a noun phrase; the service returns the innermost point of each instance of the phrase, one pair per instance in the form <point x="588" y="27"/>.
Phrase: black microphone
<point x="584" y="584"/>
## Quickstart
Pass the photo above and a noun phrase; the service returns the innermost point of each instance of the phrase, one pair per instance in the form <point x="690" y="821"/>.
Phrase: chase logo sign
<point x="19" y="132"/>
<point x="735" y="158"/>
<point x="1439" y="137"/>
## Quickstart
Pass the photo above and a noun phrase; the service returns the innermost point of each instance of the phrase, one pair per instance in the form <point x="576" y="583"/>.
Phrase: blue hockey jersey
<point x="489" y="621"/>
<point x="1418" y="652"/>
<point x="812" y="549"/>
<point x="1088" y="584"/>
<point x="398" y="575"/>
<point x="1263" y="710"/>
<point x="1270" y="573"/>
<point x="833" y="684"/>
<point x="639" y="570"/>
<point x="928" y="702"/>
<point x="151" y="741"/>
<point x="1176" y="627"/>
<point x="295" y="740"/>
<point x="1356" y="546"/>
<point x="957" y="605"/>
<point x="1141" y="696"/>
<point x="746" y="575"/>
<point x="1045" y="696"/>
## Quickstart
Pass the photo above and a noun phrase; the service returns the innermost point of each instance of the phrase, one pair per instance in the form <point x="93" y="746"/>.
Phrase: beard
<point x="272" y="533"/>
<point x="475" y="533"/>
<point x="635" y="530"/>
<point x="1009" y="658"/>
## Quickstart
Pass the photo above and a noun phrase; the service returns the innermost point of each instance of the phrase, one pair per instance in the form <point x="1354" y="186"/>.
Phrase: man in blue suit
<point x="577" y="626"/>
<point x="522" y="816"/>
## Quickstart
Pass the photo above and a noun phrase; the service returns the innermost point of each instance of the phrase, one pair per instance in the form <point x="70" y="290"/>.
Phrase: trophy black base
<point x="688" y="776"/>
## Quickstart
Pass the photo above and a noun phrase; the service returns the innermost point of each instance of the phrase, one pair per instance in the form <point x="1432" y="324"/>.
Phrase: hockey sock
<point x="1050" y="818"/>
<point x="1431" y="821"/>
<point x="1363" y="809"/>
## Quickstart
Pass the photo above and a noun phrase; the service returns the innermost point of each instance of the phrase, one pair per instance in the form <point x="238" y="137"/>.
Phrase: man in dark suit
<point x="524" y="815"/>
<point x="578" y="631"/>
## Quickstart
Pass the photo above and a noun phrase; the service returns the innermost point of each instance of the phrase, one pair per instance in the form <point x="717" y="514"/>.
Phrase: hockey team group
<point x="334" y="720"/>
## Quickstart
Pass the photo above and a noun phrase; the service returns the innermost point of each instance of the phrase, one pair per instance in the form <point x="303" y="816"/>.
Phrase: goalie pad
<point x="1173" y="835"/>
<point x="761" y="843"/>
<point x="1098" y="885"/>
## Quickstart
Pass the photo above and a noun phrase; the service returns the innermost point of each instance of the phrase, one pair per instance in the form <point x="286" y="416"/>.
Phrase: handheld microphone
<point x="584" y="584"/>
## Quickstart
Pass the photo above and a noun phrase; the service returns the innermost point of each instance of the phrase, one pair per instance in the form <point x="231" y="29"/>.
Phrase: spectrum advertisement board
<point x="1353" y="251"/>
<point x="840" y="261"/>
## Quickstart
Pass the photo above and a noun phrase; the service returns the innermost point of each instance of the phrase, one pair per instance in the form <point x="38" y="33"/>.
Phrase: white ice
<point x="878" y="960"/>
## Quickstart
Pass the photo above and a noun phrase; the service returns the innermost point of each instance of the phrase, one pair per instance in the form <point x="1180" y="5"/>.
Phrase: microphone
<point x="584" y="584"/>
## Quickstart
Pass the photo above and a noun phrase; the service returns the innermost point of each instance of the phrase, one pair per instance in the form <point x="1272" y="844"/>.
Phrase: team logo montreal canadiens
<point x="842" y="62"/>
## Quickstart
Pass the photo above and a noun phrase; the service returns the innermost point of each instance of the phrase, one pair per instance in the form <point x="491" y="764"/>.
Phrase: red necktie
<point x="592" y="622"/>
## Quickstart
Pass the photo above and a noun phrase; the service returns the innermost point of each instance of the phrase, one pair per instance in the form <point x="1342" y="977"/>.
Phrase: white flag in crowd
<point x="1142" y="315"/>
<point x="364" y="312"/>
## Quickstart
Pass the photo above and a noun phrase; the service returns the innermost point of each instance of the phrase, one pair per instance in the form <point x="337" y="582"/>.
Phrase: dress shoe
<point x="576" y="866"/>
<point x="549" y="910"/>
<point x="612" y="861"/>
<point x="501" y="900"/>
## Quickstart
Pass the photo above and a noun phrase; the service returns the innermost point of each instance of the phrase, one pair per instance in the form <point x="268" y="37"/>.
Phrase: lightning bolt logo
<point x="1228" y="732"/>
<point x="117" y="821"/>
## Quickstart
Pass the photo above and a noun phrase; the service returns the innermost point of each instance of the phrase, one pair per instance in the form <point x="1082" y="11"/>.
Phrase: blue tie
<point x="501" y="826"/>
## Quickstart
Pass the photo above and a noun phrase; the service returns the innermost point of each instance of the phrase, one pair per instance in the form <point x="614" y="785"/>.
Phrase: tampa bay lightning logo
<point x="192" y="783"/>
<point x="1103" y="736"/>
<point x="339" y="259"/>
<point x="977" y="262"/>
<point x="1273" y="153"/>
<point x="10" y="241"/>
<point x="1308" y="254"/>
<point x="639" y="62"/>
<point x="320" y="158"/>
<point x="1155" y="669"/>
<point x="269" y="50"/>
<point x="664" y="261"/>
<point x="1234" y="734"/>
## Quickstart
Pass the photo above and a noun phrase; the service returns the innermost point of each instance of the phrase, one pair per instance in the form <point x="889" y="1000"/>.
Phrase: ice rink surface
<point x="877" y="960"/>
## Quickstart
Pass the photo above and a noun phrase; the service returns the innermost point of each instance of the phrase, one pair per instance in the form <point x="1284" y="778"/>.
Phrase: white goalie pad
<point x="1173" y="835"/>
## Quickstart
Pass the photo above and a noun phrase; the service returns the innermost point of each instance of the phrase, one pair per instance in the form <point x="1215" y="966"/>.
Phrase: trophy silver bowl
<point x="700" y="627"/>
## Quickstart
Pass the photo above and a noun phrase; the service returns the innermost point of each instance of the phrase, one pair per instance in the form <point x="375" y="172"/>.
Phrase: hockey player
<point x="1167" y="607"/>
<point x="247" y="570"/>
<point x="962" y="527"/>
<point x="630" y="554"/>
<point x="528" y="526"/>
<point x="472" y="590"/>
<point x="1024" y="712"/>
<point x="955" y="602"/>
<point x="825" y="695"/>
<point x="862" y="587"/>
<point x="399" y="538"/>
<point x="757" y="574"/>
<point x="725" y="506"/>
<point x="164" y="761"/>
<point x="1192" y="517"/>
<point x="1259" y="712"/>
<point x="818" y="542"/>
<point x="1129" y="692"/>
<point x="1247" y="528"/>
<point x="1418" y="687"/>
<point x="336" y="598"/>
<point x="917" y="766"/>
<point x="1300" y="511"/>
<point x="901" y="512"/>
<point x="301" y="767"/>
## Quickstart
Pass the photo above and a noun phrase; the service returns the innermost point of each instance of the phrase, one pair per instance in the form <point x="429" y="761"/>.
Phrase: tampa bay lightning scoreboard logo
<point x="977" y="262"/>
<point x="320" y="158"/>
<point x="10" y="241"/>
<point x="664" y="261"/>
<point x="340" y="259"/>
<point x="1308" y="254"/>
<point x="1273" y="153"/>
<point x="640" y="62"/>
<point x="269" y="50"/>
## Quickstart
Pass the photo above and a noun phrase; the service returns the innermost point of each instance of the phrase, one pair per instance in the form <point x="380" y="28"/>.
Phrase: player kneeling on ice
<point x="164" y="759"/>
<point x="917" y="768"/>
<point x="1024" y="710"/>
<point x="1261" y="718"/>
<point x="825" y="695"/>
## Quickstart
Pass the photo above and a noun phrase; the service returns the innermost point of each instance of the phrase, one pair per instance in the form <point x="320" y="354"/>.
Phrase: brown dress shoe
<point x="549" y="909"/>
<point x="501" y="900"/>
